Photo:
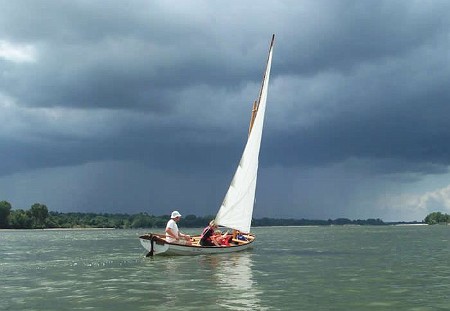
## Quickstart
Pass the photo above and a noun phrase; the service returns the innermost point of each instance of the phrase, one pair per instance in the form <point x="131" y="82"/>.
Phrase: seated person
<point x="207" y="236"/>
<point x="241" y="237"/>
<point x="237" y="235"/>
<point x="173" y="235"/>
<point x="223" y="240"/>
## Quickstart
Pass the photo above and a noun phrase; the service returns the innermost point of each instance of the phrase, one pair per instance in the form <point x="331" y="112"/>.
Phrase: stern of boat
<point x="154" y="244"/>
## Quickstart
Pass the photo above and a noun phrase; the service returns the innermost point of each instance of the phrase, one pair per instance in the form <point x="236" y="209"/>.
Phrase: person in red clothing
<point x="222" y="239"/>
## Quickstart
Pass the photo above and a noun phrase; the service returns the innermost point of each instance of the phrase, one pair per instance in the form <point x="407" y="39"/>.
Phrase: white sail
<point x="237" y="208"/>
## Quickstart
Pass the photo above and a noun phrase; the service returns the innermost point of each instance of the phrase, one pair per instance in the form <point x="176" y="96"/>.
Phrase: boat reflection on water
<point x="233" y="275"/>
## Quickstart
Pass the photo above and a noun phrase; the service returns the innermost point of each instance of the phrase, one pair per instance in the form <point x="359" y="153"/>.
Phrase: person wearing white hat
<point x="173" y="235"/>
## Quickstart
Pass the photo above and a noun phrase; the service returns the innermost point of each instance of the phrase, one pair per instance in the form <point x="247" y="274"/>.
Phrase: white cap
<point x="175" y="214"/>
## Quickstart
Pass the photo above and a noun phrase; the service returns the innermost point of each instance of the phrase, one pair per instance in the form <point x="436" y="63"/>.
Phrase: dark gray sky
<point x="108" y="107"/>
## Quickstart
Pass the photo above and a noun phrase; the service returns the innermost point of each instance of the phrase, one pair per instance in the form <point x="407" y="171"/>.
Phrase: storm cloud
<point x="145" y="107"/>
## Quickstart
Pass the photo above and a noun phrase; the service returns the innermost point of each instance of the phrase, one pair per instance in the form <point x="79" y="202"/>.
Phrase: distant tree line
<point x="39" y="217"/>
<point x="309" y="222"/>
<point x="437" y="218"/>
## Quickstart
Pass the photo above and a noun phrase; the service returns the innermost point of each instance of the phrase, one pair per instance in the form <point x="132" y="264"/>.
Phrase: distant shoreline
<point x="422" y="224"/>
<point x="268" y="226"/>
<point x="40" y="218"/>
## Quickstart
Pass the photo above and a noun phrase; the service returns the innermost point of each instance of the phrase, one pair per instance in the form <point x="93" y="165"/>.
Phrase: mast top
<point x="256" y="104"/>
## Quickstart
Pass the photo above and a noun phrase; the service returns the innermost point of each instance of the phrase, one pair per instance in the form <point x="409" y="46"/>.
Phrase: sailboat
<point x="236" y="210"/>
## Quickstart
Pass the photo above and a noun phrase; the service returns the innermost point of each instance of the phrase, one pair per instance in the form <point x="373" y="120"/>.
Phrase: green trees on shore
<point x="5" y="211"/>
<point x="35" y="218"/>
<point x="39" y="217"/>
<point x="437" y="218"/>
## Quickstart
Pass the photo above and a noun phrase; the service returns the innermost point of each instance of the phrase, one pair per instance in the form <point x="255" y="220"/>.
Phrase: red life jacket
<point x="226" y="241"/>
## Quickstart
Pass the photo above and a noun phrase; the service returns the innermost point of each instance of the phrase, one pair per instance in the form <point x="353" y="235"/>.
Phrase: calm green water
<point x="295" y="268"/>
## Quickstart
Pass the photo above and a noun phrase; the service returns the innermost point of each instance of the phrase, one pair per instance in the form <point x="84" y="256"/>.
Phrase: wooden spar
<point x="252" y="118"/>
<point x="256" y="103"/>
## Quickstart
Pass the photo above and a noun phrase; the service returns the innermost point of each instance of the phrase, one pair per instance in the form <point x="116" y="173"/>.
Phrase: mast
<point x="256" y="103"/>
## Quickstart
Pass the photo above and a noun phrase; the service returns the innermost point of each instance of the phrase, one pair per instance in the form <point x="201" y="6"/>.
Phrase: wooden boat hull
<point x="156" y="244"/>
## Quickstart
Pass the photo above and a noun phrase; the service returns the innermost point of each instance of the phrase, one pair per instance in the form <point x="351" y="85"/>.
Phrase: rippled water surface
<point x="291" y="268"/>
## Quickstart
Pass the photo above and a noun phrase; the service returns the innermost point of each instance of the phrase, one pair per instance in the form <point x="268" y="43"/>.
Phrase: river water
<point x="289" y="268"/>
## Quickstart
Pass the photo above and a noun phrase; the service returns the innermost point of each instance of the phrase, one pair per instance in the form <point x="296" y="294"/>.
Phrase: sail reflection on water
<point x="234" y="278"/>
